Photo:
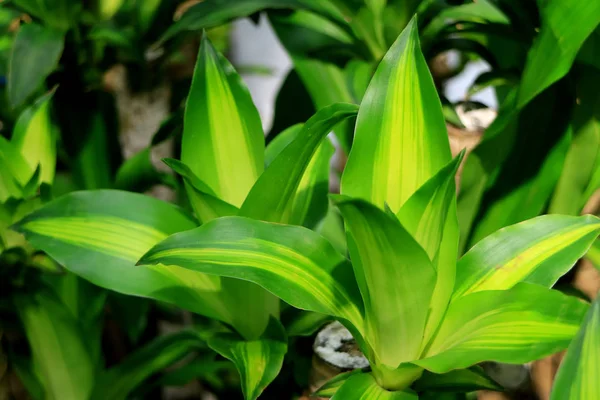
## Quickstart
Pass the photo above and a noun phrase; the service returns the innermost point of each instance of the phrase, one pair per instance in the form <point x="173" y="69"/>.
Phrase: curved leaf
<point x="223" y="140"/>
<point x="400" y="140"/>
<point x="460" y="380"/>
<point x="294" y="263"/>
<point x="332" y="385"/>
<point x="577" y="377"/>
<point x="395" y="277"/>
<point x="258" y="361"/>
<point x="272" y="197"/>
<point x="99" y="235"/>
<point x="539" y="251"/>
<point x="118" y="382"/>
<point x="514" y="326"/>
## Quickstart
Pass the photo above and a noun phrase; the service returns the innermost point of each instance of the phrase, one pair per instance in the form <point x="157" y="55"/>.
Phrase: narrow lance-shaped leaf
<point x="400" y="140"/>
<point x="35" y="54"/>
<point x="271" y="199"/>
<point x="563" y="31"/>
<point x="14" y="171"/>
<point x="395" y="277"/>
<point x="34" y="136"/>
<point x="258" y="361"/>
<point x="294" y="263"/>
<point x="130" y="224"/>
<point x="514" y="326"/>
<point x="429" y="215"/>
<point x="58" y="346"/>
<point x="539" y="251"/>
<point x="118" y="382"/>
<point x="223" y="140"/>
<point x="577" y="377"/>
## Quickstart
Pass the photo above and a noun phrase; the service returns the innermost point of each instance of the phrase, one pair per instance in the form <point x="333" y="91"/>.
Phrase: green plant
<point x="408" y="302"/>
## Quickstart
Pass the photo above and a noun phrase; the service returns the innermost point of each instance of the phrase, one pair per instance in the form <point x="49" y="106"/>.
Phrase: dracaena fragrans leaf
<point x="258" y="361"/>
<point x="400" y="140"/>
<point x="515" y="326"/>
<point x="538" y="251"/>
<point x="294" y="263"/>
<point x="364" y="387"/>
<point x="577" y="377"/>
<point x="395" y="277"/>
<point x="459" y="380"/>
<point x="100" y="235"/>
<point x="272" y="198"/>
<point x="223" y="140"/>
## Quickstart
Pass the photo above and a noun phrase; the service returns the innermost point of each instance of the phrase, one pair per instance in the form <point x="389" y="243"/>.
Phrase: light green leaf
<point x="524" y="323"/>
<point x="460" y="380"/>
<point x="395" y="277"/>
<point x="583" y="158"/>
<point x="223" y="140"/>
<point x="563" y="31"/>
<point x="205" y="203"/>
<point x="258" y="361"/>
<point x="280" y="142"/>
<point x="108" y="8"/>
<point x="364" y="387"/>
<point x="35" y="54"/>
<point x="69" y="229"/>
<point x="118" y="382"/>
<point x="58" y="346"/>
<point x="400" y="140"/>
<point x="539" y="251"/>
<point x="294" y="263"/>
<point x="332" y="385"/>
<point x="577" y="378"/>
<point x="272" y="197"/>
<point x="34" y="136"/>
<point x="14" y="171"/>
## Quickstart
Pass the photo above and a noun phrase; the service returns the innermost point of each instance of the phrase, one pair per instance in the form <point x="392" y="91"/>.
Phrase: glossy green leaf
<point x="68" y="230"/>
<point x="294" y="263"/>
<point x="258" y="361"/>
<point x="332" y="385"/>
<point x="272" y="197"/>
<point x="118" y="381"/>
<point x="400" y="140"/>
<point x="460" y="380"/>
<point x="563" y="31"/>
<point x="539" y="251"/>
<point x="34" y="136"/>
<point x="364" y="387"/>
<point x="280" y="142"/>
<point x="395" y="277"/>
<point x="524" y="323"/>
<point x="583" y="158"/>
<point x="58" y="346"/>
<point x="577" y="377"/>
<point x="223" y="140"/>
<point x="429" y="215"/>
<point x="204" y="202"/>
<point x="35" y="54"/>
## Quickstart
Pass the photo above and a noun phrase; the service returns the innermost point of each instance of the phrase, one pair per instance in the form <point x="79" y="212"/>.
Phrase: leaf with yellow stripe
<point x="539" y="251"/>
<point x="100" y="235"/>
<point x="223" y="140"/>
<point x="365" y="387"/>
<point x="577" y="378"/>
<point x="292" y="262"/>
<point x="395" y="277"/>
<point x="258" y="361"/>
<point x="429" y="215"/>
<point x="518" y="325"/>
<point x="401" y="139"/>
<point x="273" y="196"/>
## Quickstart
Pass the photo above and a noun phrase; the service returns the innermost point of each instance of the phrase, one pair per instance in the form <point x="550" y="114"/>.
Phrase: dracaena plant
<point x="415" y="311"/>
<point x="100" y="235"/>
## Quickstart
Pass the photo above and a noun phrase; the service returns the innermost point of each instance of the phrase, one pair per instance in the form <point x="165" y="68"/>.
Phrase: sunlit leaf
<point x="364" y="387"/>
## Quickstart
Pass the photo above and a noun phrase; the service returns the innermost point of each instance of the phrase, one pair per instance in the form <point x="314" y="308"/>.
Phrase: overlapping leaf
<point x="538" y="251"/>
<point x="365" y="387"/>
<point x="400" y="140"/>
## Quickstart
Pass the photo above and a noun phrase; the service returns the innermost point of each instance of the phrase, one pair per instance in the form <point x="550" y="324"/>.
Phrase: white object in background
<point x="456" y="88"/>
<point x="257" y="46"/>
